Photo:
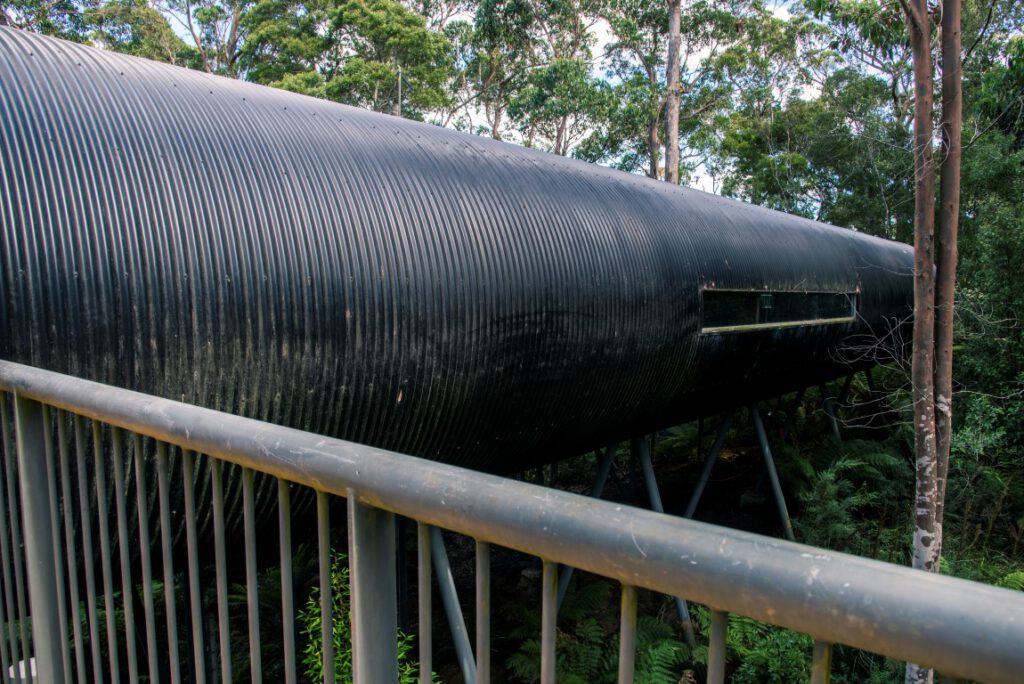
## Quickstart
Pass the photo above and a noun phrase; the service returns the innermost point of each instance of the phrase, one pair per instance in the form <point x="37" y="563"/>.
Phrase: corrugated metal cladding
<point x="382" y="280"/>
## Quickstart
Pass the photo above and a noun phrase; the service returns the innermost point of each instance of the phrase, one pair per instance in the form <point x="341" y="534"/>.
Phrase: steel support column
<point x="452" y="608"/>
<point x="642" y="452"/>
<point x="604" y="467"/>
<point x="830" y="411"/>
<point x="773" y="476"/>
<point x="709" y="464"/>
<point x="791" y="415"/>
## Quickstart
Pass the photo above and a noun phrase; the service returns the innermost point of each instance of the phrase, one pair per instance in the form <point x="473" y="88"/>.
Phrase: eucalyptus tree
<point x="560" y="104"/>
<point x="500" y="54"/>
<point x="439" y="13"/>
<point x="287" y="44"/>
<point x="215" y="28"/>
<point x="636" y="57"/>
<point x="839" y="157"/>
<point x="390" y="58"/>
<point x="560" y="100"/>
<point x="376" y="54"/>
<point x="60" y="18"/>
<point x="709" y="37"/>
<point x="135" y="27"/>
<point x="935" y="258"/>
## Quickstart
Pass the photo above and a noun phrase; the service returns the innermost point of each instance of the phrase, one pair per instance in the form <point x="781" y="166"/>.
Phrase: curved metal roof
<point x="383" y="280"/>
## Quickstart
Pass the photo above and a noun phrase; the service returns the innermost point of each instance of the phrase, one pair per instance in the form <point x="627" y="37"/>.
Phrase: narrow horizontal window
<point x="741" y="310"/>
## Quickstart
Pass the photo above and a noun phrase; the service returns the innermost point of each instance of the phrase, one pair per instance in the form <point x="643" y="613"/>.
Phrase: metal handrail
<point x="961" y="628"/>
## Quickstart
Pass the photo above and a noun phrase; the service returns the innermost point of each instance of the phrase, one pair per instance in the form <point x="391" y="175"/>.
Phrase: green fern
<point x="587" y="642"/>
<point x="846" y="499"/>
<point x="761" y="652"/>
<point x="311" y="625"/>
<point x="1014" y="580"/>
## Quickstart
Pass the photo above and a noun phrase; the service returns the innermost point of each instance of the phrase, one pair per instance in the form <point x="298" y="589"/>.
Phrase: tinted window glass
<point x="727" y="309"/>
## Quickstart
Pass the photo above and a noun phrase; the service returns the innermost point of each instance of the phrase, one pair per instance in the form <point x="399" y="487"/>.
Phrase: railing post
<point x="821" y="662"/>
<point x="47" y="631"/>
<point x="627" y="634"/>
<point x="716" y="647"/>
<point x="371" y="539"/>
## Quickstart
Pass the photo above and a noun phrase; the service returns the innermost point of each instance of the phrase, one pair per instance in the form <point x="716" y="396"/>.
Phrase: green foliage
<point x="587" y="642"/>
<point x="560" y="103"/>
<point x="581" y="640"/>
<point x="861" y="483"/>
<point x="760" y="653"/>
<point x="311" y="625"/>
<point x="365" y="53"/>
<point x="1013" y="580"/>
<point x="60" y="18"/>
<point x="382" y="37"/>
<point x="284" y="46"/>
<point x="1001" y="92"/>
<point x="134" y="27"/>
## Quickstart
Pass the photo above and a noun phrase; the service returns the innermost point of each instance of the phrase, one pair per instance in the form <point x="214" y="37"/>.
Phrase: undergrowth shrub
<point x="587" y="648"/>
<point x="310" y="624"/>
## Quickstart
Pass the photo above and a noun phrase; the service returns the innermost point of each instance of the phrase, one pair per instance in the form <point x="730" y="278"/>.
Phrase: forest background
<point x="803" y="106"/>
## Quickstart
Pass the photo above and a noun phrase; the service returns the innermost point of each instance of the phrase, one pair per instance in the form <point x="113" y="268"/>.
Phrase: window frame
<point x="759" y="295"/>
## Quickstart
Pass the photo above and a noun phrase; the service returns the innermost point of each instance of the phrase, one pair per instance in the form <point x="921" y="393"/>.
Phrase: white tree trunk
<point x="672" y="69"/>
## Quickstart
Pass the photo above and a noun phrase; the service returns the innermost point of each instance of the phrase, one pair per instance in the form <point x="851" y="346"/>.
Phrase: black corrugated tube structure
<point x="392" y="282"/>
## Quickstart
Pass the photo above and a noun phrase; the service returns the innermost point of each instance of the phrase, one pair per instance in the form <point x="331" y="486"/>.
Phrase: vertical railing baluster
<point x="549" y="614"/>
<point x="284" y="522"/>
<point x="102" y="515"/>
<point x="220" y="560"/>
<point x="821" y="663"/>
<point x="170" y="604"/>
<point x="5" y="660"/>
<point x="145" y="557"/>
<point x="195" y="592"/>
<point x="58" y="548"/>
<point x="127" y="589"/>
<point x="88" y="555"/>
<point x="323" y="520"/>
<point x="16" y="548"/>
<point x="47" y="630"/>
<point x="424" y="595"/>
<point x="71" y="551"/>
<point x="627" y="634"/>
<point x="251" y="581"/>
<point x="8" y="553"/>
<point x="483" y="612"/>
<point x="716" y="649"/>
<point x="371" y="557"/>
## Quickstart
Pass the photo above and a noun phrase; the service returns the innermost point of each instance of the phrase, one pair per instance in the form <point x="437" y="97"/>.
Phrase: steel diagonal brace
<point x="642" y="451"/>
<point x="603" y="468"/>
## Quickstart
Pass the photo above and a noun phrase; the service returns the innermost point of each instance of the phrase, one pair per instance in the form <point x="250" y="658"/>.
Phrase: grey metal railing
<point x="59" y="423"/>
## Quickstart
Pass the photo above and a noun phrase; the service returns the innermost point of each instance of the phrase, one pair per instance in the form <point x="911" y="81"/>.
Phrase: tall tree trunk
<point x="396" y="106"/>
<point x="231" y="47"/>
<point x="922" y="360"/>
<point x="653" y="146"/>
<point x="945" y="247"/>
<point x="496" y="123"/>
<point x="934" y="279"/>
<point x="561" y="143"/>
<point x="673" y="68"/>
